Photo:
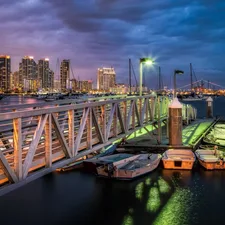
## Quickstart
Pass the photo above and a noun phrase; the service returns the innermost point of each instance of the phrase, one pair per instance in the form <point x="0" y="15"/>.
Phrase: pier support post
<point x="209" y="110"/>
<point x="175" y="123"/>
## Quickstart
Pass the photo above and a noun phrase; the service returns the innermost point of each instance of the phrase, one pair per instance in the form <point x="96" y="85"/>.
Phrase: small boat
<point x="211" y="147"/>
<point x="131" y="167"/>
<point x="91" y="165"/>
<point x="211" y="159"/>
<point x="178" y="159"/>
<point x="216" y="136"/>
<point x="196" y="98"/>
<point x="50" y="99"/>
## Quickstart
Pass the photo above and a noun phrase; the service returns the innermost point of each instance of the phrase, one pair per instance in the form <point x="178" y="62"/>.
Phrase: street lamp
<point x="146" y="61"/>
<point x="174" y="81"/>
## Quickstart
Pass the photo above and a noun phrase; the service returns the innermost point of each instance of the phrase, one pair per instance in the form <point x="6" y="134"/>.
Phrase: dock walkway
<point x="192" y="135"/>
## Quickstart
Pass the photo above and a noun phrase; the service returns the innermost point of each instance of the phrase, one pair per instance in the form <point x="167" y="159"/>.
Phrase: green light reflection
<point x="163" y="186"/>
<point x="139" y="190"/>
<point x="153" y="202"/>
<point x="128" y="220"/>
<point x="148" y="181"/>
<point x="177" y="209"/>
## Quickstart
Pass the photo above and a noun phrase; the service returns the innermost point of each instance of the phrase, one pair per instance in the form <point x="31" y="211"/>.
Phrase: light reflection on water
<point x="177" y="211"/>
<point x="172" y="197"/>
<point x="13" y="100"/>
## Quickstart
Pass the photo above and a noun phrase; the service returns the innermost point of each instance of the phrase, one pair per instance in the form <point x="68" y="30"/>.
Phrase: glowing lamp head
<point x="147" y="61"/>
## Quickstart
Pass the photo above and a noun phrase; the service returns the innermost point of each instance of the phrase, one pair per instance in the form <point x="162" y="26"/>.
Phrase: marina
<point x="112" y="112"/>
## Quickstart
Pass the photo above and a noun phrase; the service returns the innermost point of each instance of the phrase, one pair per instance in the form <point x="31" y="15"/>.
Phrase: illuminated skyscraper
<point x="106" y="78"/>
<point x="65" y="74"/>
<point x="27" y="73"/>
<point x="5" y="70"/>
<point x="45" y="74"/>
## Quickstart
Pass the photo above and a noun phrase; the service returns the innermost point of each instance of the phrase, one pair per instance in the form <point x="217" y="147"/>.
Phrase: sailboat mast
<point x="130" y="76"/>
<point x="191" y="76"/>
<point x="159" y="78"/>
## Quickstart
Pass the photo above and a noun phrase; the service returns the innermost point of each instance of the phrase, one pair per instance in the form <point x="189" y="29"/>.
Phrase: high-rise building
<point x="27" y="73"/>
<point x="57" y="85"/>
<point x="65" y="74"/>
<point x="119" y="89"/>
<point x="16" y="84"/>
<point x="45" y="74"/>
<point x="85" y="85"/>
<point x="106" y="78"/>
<point x="11" y="82"/>
<point x="75" y="85"/>
<point x="5" y="70"/>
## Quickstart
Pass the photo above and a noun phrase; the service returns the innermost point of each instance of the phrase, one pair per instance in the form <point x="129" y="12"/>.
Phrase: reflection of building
<point x="65" y="74"/>
<point x="45" y="74"/>
<point x="5" y="70"/>
<point x="106" y="78"/>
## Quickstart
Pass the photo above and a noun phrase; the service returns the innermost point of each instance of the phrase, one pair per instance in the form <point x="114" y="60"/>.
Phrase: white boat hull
<point x="127" y="170"/>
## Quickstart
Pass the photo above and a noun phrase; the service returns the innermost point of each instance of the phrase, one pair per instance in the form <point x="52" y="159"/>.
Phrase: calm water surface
<point x="163" y="197"/>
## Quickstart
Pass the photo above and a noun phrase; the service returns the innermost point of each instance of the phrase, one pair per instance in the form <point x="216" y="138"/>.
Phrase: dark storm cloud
<point x="108" y="32"/>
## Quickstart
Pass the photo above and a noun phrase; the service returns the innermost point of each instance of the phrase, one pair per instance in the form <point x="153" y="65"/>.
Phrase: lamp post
<point x="175" y="82"/>
<point x="147" y="61"/>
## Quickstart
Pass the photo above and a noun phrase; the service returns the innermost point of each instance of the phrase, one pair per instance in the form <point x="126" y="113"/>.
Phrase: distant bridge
<point x="205" y="82"/>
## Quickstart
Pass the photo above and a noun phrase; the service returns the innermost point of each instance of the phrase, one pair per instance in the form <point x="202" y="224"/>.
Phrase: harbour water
<point x="163" y="197"/>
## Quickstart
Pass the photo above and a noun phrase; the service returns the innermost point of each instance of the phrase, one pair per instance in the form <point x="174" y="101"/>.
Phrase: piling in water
<point x="175" y="123"/>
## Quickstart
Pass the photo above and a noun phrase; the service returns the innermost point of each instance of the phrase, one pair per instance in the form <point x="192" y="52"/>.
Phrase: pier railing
<point x="34" y="142"/>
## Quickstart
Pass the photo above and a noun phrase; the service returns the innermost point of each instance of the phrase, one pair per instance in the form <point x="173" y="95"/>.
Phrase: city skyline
<point x="101" y="34"/>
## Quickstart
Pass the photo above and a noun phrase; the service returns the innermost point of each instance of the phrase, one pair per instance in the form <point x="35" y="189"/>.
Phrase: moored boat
<point x="178" y="159"/>
<point x="50" y="99"/>
<point x="91" y="165"/>
<point x="131" y="167"/>
<point x="211" y="159"/>
<point x="216" y="136"/>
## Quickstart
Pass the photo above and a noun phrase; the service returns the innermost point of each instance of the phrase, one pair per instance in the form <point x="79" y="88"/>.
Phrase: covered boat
<point x="211" y="159"/>
<point x="178" y="159"/>
<point x="90" y="165"/>
<point x="131" y="167"/>
<point x="216" y="136"/>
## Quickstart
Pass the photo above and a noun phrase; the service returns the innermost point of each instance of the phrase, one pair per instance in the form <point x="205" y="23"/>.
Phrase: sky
<point x="105" y="33"/>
